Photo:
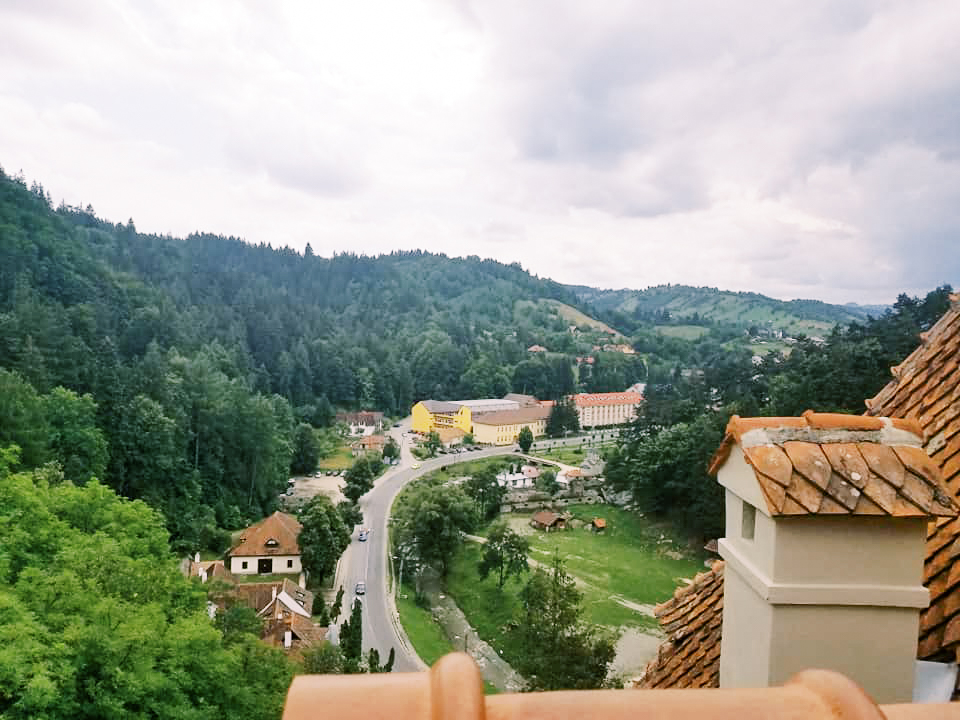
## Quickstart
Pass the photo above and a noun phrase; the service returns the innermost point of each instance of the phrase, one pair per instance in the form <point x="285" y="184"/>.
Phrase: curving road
<point x="367" y="561"/>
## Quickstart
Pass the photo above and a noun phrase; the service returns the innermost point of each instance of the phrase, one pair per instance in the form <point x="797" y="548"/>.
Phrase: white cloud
<point x="793" y="148"/>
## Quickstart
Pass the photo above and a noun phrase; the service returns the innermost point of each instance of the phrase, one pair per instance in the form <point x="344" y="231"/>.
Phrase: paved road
<point x="367" y="561"/>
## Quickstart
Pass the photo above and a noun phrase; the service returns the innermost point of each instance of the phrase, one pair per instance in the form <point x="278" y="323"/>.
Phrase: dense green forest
<point x="96" y="620"/>
<point x="177" y="370"/>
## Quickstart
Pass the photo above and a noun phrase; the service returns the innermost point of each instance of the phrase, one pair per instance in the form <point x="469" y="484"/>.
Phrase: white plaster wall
<point x="745" y="642"/>
<point x="874" y="647"/>
<point x="760" y="550"/>
<point x="279" y="564"/>
<point x="850" y="549"/>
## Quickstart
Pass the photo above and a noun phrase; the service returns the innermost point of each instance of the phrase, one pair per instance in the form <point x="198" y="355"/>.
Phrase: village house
<point x="269" y="546"/>
<point x="369" y="443"/>
<point x="546" y="520"/>
<point x="365" y="422"/>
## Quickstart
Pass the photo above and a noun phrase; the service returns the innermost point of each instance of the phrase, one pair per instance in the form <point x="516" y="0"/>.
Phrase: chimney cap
<point x="829" y="463"/>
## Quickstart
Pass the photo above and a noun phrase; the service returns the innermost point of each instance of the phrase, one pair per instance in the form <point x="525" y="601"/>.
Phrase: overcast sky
<point x="798" y="149"/>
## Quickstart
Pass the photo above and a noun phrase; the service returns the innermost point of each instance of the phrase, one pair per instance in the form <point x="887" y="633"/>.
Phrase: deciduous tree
<point x="323" y="538"/>
<point x="505" y="553"/>
<point x="525" y="438"/>
<point x="560" y="652"/>
<point x="430" y="517"/>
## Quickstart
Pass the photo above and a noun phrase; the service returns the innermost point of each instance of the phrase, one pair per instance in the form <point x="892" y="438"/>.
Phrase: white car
<point x="361" y="588"/>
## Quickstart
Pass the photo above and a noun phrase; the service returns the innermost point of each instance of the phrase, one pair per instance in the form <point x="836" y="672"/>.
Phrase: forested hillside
<point x="176" y="370"/>
<point x="630" y="309"/>
<point x="182" y="371"/>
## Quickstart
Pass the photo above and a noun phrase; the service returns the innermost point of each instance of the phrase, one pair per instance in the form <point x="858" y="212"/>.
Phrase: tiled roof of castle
<point x="692" y="620"/>
<point x="274" y="535"/>
<point x="826" y="463"/>
<point x="926" y="389"/>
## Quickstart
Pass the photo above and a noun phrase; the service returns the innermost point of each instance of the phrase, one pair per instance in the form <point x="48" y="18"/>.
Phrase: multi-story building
<point x="606" y="409"/>
<point x="503" y="427"/>
<point x="429" y="415"/>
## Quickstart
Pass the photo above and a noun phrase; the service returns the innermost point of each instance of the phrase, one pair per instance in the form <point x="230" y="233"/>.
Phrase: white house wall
<point x="279" y="564"/>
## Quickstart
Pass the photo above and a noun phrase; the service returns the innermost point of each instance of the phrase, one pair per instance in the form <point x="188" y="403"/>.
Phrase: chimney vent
<point x="826" y="519"/>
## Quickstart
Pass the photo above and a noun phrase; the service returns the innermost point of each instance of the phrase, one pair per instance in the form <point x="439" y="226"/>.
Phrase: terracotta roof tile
<point x="832" y="464"/>
<point x="926" y="389"/>
<point x="274" y="535"/>
<point x="690" y="657"/>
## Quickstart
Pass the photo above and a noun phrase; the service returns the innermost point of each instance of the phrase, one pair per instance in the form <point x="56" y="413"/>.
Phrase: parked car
<point x="361" y="588"/>
<point x="363" y="535"/>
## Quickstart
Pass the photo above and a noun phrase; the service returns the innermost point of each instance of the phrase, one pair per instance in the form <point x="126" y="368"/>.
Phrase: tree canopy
<point x="98" y="621"/>
<point x="429" y="517"/>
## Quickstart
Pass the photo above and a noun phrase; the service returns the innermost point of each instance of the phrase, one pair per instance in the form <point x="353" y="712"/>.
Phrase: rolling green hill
<point x="672" y="304"/>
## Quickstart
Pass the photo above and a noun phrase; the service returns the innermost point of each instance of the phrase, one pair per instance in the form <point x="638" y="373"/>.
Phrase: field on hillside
<point x="684" y="332"/>
<point x="578" y="318"/>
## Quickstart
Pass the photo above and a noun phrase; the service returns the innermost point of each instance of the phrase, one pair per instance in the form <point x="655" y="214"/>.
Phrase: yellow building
<point x="429" y="415"/>
<point x="502" y="428"/>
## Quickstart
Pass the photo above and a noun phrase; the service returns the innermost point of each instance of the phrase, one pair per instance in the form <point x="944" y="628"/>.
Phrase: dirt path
<point x="494" y="668"/>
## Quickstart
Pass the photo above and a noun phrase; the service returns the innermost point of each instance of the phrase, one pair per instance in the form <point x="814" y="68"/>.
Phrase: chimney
<point x="196" y="557"/>
<point x="826" y="519"/>
<point x="274" y="591"/>
<point x="287" y="639"/>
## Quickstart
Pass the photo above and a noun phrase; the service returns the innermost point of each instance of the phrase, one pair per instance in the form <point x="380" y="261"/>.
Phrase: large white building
<point x="606" y="409"/>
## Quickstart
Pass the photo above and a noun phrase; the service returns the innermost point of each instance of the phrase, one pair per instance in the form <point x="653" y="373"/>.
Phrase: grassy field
<point x="426" y="636"/>
<point x="684" y="332"/>
<point x="567" y="455"/>
<point x="575" y="317"/>
<point x="340" y="460"/>
<point x="628" y="562"/>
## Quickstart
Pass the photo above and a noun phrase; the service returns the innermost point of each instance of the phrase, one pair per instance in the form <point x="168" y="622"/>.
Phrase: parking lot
<point x="305" y="488"/>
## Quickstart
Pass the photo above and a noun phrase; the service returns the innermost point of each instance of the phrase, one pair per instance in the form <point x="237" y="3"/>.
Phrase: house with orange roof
<point x="857" y="479"/>
<point x="269" y="546"/>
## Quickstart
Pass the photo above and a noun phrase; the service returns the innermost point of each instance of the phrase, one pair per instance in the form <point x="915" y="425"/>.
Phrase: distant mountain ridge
<point x="627" y="309"/>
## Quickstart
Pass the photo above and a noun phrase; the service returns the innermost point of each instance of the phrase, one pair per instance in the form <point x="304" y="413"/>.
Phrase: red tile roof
<point x="692" y="620"/>
<point x="600" y="399"/>
<point x="826" y="463"/>
<point x="274" y="535"/>
<point x="926" y="389"/>
<point x="545" y="518"/>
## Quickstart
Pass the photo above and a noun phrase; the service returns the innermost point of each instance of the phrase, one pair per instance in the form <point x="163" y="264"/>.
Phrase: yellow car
<point x="416" y="466"/>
